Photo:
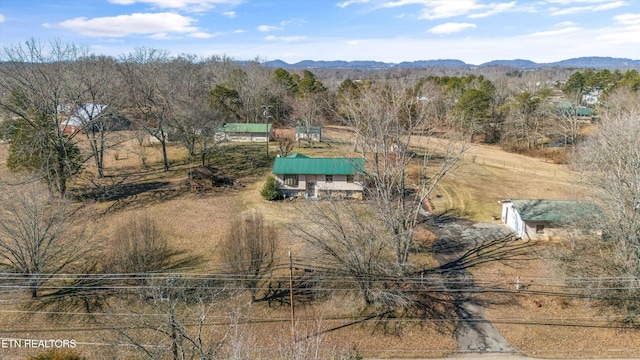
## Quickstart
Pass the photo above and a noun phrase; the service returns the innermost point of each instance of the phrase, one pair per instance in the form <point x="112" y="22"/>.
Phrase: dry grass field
<point x="198" y="222"/>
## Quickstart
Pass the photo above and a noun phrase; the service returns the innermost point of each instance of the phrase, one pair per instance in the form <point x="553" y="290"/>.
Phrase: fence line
<point x="508" y="165"/>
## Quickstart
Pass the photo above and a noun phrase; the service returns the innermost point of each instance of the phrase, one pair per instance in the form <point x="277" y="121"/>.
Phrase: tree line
<point x="55" y="95"/>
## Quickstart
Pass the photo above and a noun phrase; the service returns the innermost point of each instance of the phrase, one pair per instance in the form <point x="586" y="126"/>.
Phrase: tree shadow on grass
<point x="120" y="191"/>
<point x="90" y="291"/>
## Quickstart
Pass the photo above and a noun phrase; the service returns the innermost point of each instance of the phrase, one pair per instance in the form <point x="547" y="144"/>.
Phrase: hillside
<point x="581" y="62"/>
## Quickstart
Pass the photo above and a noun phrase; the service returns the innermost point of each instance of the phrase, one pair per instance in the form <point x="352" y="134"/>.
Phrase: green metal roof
<point x="304" y="130"/>
<point x="246" y="128"/>
<point x="571" y="109"/>
<point x="300" y="164"/>
<point x="555" y="211"/>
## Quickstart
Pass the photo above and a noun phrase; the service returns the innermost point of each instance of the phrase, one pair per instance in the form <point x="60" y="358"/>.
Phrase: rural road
<point x="453" y="238"/>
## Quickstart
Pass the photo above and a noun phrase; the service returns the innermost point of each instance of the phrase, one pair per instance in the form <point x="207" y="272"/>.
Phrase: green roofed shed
<point x="554" y="211"/>
<point x="246" y="128"/>
<point x="567" y="108"/>
<point x="300" y="164"/>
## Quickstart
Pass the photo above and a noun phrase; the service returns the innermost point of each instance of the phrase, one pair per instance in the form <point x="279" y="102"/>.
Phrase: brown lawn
<point x="197" y="222"/>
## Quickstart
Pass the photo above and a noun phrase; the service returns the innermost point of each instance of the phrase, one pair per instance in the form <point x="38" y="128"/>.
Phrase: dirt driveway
<point x="456" y="238"/>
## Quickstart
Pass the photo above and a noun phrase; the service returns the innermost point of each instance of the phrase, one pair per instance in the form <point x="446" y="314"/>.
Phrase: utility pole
<point x="293" y="312"/>
<point x="266" y="115"/>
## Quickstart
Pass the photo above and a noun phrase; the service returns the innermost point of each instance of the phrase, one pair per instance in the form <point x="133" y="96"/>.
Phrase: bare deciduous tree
<point x="610" y="162"/>
<point x="196" y="122"/>
<point x="40" y="237"/>
<point x="393" y="133"/>
<point x="181" y="326"/>
<point x="285" y="145"/>
<point x="250" y="250"/>
<point x="151" y="93"/>
<point x="97" y="101"/>
<point x="352" y="244"/>
<point x="139" y="246"/>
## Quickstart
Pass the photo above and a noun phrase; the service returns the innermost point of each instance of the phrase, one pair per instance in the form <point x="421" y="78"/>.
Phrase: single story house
<point x="567" y="109"/>
<point x="302" y="176"/>
<point x="542" y="219"/>
<point x="312" y="133"/>
<point x="244" y="132"/>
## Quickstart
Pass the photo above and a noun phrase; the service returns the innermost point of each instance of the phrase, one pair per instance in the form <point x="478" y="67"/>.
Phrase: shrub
<point x="140" y="246"/>
<point x="270" y="190"/>
<point x="56" y="354"/>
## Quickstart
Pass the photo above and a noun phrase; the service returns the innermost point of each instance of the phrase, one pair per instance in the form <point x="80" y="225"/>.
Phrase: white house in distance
<point x="313" y="133"/>
<point x="541" y="219"/>
<point x="244" y="132"/>
<point x="302" y="176"/>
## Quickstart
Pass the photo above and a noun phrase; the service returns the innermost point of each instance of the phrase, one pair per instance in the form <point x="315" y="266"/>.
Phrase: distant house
<point x="88" y="113"/>
<point x="302" y="176"/>
<point x="71" y="126"/>
<point x="592" y="97"/>
<point x="245" y="132"/>
<point x="542" y="219"/>
<point x="312" y="133"/>
<point x="568" y="109"/>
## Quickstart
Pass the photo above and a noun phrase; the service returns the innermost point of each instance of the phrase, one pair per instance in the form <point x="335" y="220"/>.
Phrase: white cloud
<point x="187" y="5"/>
<point x="497" y="8"/>
<point x="450" y="28"/>
<point x="267" y="28"/>
<point x="589" y="8"/>
<point x="293" y="21"/>
<point x="446" y="8"/>
<point x="567" y="2"/>
<point x="1" y="18"/>
<point x="628" y="19"/>
<point x="564" y="24"/>
<point x="161" y="36"/>
<point x="229" y="14"/>
<point x="627" y="36"/>
<point x="351" y="2"/>
<point x="158" y="24"/>
<point x="285" y="38"/>
<point x="201" y="35"/>
<point x="441" y="9"/>
<point x="565" y="30"/>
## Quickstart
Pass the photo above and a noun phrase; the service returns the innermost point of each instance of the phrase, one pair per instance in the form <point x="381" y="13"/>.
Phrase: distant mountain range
<point x="580" y="62"/>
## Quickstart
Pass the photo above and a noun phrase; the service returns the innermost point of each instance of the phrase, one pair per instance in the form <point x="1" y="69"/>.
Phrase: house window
<point x="349" y="178"/>
<point x="329" y="178"/>
<point x="539" y="229"/>
<point x="291" y="179"/>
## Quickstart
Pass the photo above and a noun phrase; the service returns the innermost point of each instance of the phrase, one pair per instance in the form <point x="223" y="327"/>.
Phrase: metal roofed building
<point x="244" y="132"/>
<point x="540" y="218"/>
<point x="302" y="176"/>
<point x="313" y="133"/>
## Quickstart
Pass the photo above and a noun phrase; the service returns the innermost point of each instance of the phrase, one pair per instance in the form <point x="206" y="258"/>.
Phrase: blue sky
<point x="474" y="31"/>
